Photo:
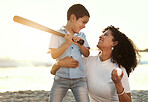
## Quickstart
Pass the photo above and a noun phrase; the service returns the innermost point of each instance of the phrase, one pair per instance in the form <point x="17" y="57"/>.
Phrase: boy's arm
<point x="84" y="50"/>
<point x="55" y="53"/>
<point x="66" y="62"/>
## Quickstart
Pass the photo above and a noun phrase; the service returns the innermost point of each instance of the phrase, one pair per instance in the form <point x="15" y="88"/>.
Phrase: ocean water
<point x="25" y="78"/>
<point x="39" y="78"/>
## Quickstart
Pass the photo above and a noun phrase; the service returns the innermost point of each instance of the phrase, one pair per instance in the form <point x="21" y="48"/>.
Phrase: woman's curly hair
<point x="125" y="53"/>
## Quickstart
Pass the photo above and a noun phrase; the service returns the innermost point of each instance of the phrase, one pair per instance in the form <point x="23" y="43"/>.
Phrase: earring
<point x="112" y="48"/>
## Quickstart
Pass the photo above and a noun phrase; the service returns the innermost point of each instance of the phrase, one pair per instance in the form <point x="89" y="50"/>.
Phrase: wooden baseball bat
<point x="30" y="23"/>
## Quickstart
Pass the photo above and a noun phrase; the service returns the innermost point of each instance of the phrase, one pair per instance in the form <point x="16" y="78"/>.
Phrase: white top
<point x="100" y="85"/>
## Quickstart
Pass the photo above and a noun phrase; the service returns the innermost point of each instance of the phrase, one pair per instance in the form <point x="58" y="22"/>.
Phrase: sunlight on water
<point x="25" y="78"/>
<point x="144" y="56"/>
<point x="139" y="78"/>
<point x="39" y="78"/>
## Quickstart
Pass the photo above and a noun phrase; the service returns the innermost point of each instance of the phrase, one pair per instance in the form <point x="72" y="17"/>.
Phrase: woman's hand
<point x="114" y="76"/>
<point x="123" y="97"/>
<point x="68" y="62"/>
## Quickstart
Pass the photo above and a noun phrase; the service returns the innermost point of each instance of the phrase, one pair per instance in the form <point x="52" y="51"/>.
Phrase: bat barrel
<point x="32" y="24"/>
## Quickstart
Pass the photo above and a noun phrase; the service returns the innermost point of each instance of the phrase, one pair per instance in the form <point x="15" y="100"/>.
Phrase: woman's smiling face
<point x="105" y="40"/>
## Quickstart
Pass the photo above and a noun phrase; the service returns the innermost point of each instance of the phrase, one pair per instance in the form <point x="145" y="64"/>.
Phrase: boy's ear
<point x="73" y="17"/>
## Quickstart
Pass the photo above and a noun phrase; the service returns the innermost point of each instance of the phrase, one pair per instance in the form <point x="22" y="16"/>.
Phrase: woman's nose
<point x="100" y="36"/>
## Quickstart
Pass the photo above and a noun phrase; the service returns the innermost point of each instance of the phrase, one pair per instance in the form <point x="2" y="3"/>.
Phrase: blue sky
<point x="19" y="41"/>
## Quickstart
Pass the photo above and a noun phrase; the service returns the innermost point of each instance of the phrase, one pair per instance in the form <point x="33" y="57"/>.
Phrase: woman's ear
<point x="115" y="43"/>
<point x="73" y="17"/>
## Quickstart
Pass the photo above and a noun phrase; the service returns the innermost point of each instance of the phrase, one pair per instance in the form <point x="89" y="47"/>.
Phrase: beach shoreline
<point x="43" y="96"/>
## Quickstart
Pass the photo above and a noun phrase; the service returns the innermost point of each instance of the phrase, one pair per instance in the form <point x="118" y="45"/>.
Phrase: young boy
<point x="68" y="78"/>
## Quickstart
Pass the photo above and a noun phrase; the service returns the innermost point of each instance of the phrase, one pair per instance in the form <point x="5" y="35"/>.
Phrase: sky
<point x="21" y="42"/>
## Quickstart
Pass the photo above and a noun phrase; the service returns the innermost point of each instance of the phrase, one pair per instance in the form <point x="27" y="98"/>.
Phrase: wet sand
<point x="43" y="96"/>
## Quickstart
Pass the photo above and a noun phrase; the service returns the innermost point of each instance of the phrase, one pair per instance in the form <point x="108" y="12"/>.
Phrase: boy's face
<point x="79" y="24"/>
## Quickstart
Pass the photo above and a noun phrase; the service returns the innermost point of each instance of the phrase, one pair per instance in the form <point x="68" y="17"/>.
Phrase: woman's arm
<point x="123" y="97"/>
<point x="55" y="68"/>
<point x="67" y="62"/>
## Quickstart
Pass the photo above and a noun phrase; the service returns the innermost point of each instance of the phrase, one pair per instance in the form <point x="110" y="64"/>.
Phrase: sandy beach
<point x="43" y="96"/>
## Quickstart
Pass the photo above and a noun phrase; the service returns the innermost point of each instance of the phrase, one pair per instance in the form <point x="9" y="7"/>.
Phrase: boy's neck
<point x="68" y="28"/>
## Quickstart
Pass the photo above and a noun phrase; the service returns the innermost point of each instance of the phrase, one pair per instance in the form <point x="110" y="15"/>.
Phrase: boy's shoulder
<point x="62" y="30"/>
<point x="82" y="33"/>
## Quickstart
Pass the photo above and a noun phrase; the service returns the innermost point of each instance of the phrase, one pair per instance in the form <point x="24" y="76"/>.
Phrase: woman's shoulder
<point x="123" y="69"/>
<point x="90" y="58"/>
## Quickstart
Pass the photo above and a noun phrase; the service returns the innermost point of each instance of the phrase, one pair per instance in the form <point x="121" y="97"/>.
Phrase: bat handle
<point x="81" y="42"/>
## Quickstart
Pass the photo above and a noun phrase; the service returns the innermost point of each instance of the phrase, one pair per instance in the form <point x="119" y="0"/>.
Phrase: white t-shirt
<point x="100" y="85"/>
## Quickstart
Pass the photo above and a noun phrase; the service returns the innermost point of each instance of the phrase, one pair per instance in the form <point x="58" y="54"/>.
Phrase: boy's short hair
<point x="78" y="10"/>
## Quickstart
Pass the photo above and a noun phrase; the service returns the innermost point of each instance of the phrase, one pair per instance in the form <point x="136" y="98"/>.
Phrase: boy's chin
<point x="77" y="31"/>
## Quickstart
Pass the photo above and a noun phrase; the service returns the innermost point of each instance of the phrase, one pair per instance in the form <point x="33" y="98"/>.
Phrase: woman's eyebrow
<point x="105" y="33"/>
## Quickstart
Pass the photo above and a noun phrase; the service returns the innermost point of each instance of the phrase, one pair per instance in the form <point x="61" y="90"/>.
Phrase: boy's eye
<point x="84" y="22"/>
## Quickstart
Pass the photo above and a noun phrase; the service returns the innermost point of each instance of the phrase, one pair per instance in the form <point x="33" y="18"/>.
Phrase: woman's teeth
<point x="101" y="41"/>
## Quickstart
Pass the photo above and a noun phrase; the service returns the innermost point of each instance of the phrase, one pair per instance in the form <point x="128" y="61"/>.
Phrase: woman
<point x="104" y="84"/>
